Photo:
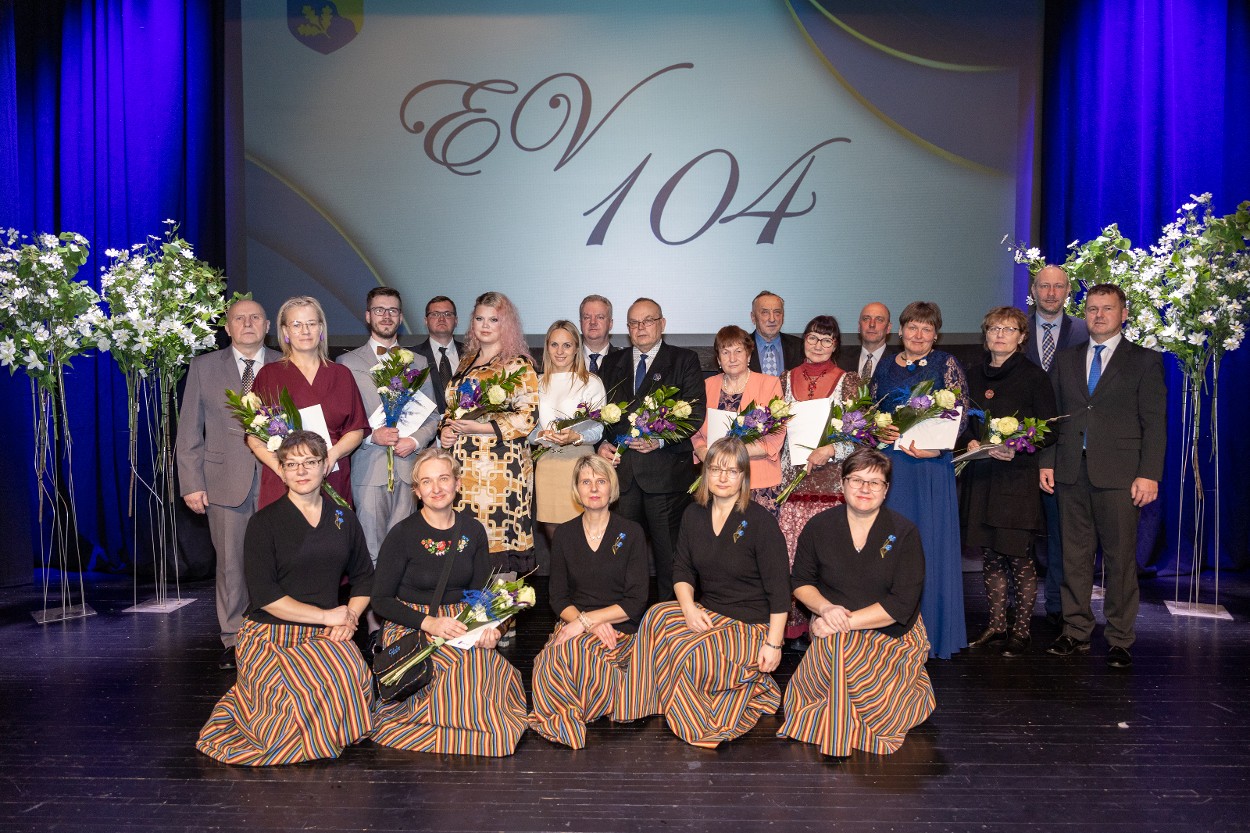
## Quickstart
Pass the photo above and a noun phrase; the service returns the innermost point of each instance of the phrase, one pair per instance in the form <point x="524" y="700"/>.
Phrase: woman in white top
<point x="564" y="387"/>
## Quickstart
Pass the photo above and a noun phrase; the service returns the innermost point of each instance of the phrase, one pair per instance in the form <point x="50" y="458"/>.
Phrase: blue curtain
<point x="110" y="122"/>
<point x="1147" y="102"/>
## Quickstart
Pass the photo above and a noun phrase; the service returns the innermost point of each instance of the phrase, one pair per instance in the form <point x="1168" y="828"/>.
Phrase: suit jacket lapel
<point x="1113" y="365"/>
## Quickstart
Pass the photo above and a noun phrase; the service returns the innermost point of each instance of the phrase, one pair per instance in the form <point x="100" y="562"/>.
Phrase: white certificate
<point x="416" y="412"/>
<point x="806" y="428"/>
<point x="718" y="423"/>
<point x="313" y="419"/>
<point x="470" y="639"/>
<point x="934" y="434"/>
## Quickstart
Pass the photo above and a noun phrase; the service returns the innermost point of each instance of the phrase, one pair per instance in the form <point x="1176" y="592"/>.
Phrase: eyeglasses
<point x="299" y="465"/>
<point x="440" y="315"/>
<point x="390" y="312"/>
<point x="819" y="341"/>
<point x="301" y="326"/>
<point x="1002" y="331"/>
<point x="876" y="487"/>
<point x="720" y="471"/>
<point x="643" y="324"/>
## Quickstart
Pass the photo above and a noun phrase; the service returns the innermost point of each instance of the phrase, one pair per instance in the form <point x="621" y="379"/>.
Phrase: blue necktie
<point x="1095" y="367"/>
<point x="769" y="365"/>
<point x="594" y="362"/>
<point x="641" y="372"/>
<point x="1048" y="345"/>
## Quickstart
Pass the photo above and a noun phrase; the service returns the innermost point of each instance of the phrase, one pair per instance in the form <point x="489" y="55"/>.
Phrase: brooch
<point x="989" y="394"/>
<point x="655" y="377"/>
<point x="338" y="518"/>
<point x="738" y="533"/>
<point x="464" y="542"/>
<point x="888" y="545"/>
<point x="616" y="545"/>
<point x="434" y="547"/>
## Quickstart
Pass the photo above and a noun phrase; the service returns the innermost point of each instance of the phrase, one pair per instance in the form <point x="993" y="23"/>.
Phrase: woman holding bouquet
<point x="924" y="480"/>
<point x="564" y="387"/>
<point x="303" y="690"/>
<point x="599" y="583"/>
<point x="732" y="390"/>
<point x="818" y="377"/>
<point x="706" y="665"/>
<point x="1000" y="503"/>
<point x="494" y="456"/>
<point x="312" y="380"/>
<point x="476" y="703"/>
<point x="860" y="570"/>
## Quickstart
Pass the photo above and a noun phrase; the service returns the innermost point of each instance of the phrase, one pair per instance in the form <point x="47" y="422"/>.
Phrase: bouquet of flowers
<point x="661" y="416"/>
<point x="922" y="403"/>
<point x="474" y="399"/>
<point x="604" y="414"/>
<point x="397" y="384"/>
<point x="754" y="422"/>
<point x="1020" y="435"/>
<point x="269" y="423"/>
<point x="496" y="602"/>
<point x="849" y="421"/>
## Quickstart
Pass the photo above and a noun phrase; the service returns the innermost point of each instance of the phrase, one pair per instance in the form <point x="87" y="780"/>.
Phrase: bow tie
<point x="382" y="351"/>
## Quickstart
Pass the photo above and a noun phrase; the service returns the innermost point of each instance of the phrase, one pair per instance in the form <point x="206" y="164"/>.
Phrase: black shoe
<point x="227" y="662"/>
<point x="1055" y="620"/>
<point x="988" y="637"/>
<point x="1016" y="647"/>
<point x="1066" y="646"/>
<point x="800" y="643"/>
<point x="1119" y="657"/>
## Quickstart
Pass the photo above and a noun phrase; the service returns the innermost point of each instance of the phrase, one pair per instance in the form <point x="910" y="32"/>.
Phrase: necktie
<point x="444" y="364"/>
<point x="1095" y="367"/>
<point x="867" y="371"/>
<point x="641" y="372"/>
<point x="594" y="362"/>
<point x="1048" y="344"/>
<point x="769" y="364"/>
<point x="249" y="376"/>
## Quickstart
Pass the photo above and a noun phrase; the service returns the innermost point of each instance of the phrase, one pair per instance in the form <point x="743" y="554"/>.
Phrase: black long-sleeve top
<point x="887" y="571"/>
<point x="410" y="562"/>
<point x="284" y="555"/>
<point x="743" y="573"/>
<point x="615" y="574"/>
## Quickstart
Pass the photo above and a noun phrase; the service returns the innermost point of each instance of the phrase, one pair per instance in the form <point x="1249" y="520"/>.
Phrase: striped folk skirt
<point x="859" y="690"/>
<point x="576" y="683"/>
<point x="707" y="685"/>
<point x="474" y="706"/>
<point x="298" y="697"/>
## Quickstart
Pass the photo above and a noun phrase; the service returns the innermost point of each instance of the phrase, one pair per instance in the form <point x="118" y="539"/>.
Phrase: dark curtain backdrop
<point x="1146" y="102"/>
<point x="111" y="121"/>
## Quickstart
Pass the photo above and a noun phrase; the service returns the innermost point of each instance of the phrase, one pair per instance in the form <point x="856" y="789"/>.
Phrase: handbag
<point x="405" y="648"/>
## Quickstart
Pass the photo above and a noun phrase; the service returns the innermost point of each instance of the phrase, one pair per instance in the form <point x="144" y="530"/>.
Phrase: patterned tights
<point x="1017" y="572"/>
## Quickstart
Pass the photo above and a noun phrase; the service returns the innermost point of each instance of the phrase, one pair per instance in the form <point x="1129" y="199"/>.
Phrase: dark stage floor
<point x="99" y="717"/>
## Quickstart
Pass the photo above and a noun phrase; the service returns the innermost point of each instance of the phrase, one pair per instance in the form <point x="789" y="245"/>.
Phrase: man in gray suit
<point x="1052" y="330"/>
<point x="217" y="474"/>
<point x="377" y="508"/>
<point x="1105" y="466"/>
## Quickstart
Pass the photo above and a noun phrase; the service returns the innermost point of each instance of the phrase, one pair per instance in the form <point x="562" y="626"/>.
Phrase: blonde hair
<point x="600" y="467"/>
<point x="429" y="455"/>
<point x="724" y="451"/>
<point x="579" y="360"/>
<point x="303" y="301"/>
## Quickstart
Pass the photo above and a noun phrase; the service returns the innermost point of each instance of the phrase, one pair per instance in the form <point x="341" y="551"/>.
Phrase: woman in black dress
<point x="1000" y="501"/>
<point x="598" y="588"/>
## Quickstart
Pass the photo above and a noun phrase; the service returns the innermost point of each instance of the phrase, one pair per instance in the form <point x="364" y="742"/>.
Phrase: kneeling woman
<point x="476" y="704"/>
<point x="860" y="569"/>
<point x="598" y="588"/>
<point x="303" y="690"/>
<point x="706" y="665"/>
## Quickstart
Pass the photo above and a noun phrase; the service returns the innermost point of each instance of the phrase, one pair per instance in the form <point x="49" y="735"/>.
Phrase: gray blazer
<point x="369" y="460"/>
<point x="211" y="452"/>
<point x="1123" y="426"/>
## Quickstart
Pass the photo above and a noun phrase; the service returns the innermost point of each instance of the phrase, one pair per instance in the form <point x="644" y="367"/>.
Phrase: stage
<point x="100" y="718"/>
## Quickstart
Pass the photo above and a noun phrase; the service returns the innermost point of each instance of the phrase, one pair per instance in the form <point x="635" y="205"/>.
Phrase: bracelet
<point x="584" y="622"/>
<point x="768" y="644"/>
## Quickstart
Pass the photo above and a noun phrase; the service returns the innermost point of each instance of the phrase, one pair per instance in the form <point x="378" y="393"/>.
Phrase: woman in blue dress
<point x="923" y="489"/>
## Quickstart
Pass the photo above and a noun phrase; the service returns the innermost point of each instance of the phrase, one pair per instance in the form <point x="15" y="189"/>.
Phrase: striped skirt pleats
<point x="707" y="685"/>
<point x="298" y="697"/>
<point x="474" y="706"/>
<point x="859" y="690"/>
<point x="576" y="683"/>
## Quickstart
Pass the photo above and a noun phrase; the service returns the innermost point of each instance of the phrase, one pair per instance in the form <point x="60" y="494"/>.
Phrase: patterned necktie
<point x="769" y="364"/>
<point x="249" y="376"/>
<point x="641" y="373"/>
<point x="1095" y="367"/>
<point x="866" y="373"/>
<point x="594" y="362"/>
<point x="1048" y="344"/>
<point x="444" y="364"/>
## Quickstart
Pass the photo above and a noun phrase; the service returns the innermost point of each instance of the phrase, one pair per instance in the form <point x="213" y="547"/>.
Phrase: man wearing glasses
<point x="378" y="507"/>
<point x="654" y="475"/>
<point x="441" y="350"/>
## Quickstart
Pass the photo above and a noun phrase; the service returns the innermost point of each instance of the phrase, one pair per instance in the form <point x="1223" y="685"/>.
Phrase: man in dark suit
<point x="595" y="314"/>
<point x="1105" y="466"/>
<point x="874" y="337"/>
<point x="441" y="351"/>
<point x="654" y="475"/>
<point x="217" y="474"/>
<point x="775" y="351"/>
<point x="1052" y="330"/>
